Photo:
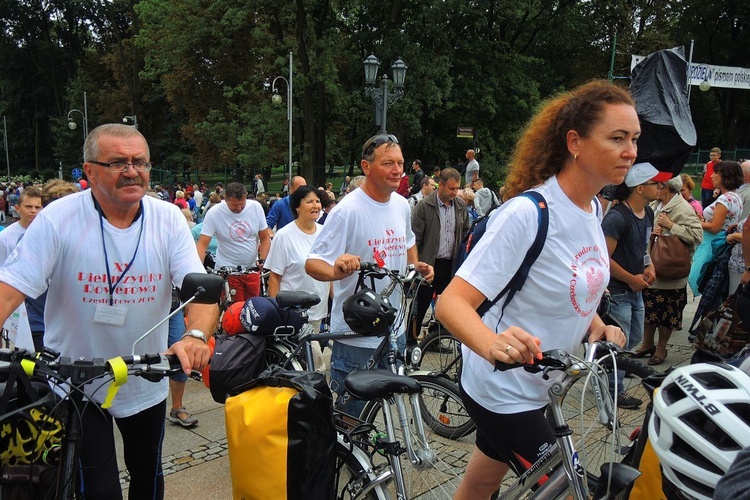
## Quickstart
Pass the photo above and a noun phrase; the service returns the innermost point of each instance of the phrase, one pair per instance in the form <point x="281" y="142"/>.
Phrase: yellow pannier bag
<point x="281" y="437"/>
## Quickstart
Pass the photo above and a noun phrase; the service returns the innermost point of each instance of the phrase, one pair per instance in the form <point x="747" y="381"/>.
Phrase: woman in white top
<point x="721" y="215"/>
<point x="289" y="249"/>
<point x="725" y="211"/>
<point x="578" y="142"/>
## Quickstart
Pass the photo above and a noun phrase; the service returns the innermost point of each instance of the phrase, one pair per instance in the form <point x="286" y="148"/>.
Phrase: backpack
<point x="236" y="360"/>
<point x="477" y="230"/>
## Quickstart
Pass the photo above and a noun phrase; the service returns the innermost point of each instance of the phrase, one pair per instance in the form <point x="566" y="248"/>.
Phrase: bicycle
<point x="431" y="396"/>
<point x="228" y="292"/>
<point x="582" y="406"/>
<point x="572" y="478"/>
<point x="27" y="378"/>
<point x="441" y="353"/>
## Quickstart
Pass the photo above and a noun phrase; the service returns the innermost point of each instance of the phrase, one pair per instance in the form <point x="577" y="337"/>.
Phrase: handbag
<point x="670" y="256"/>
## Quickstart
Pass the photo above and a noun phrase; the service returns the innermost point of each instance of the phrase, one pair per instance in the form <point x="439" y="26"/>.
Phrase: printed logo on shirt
<point x="12" y="258"/>
<point x="391" y="245"/>
<point x="589" y="279"/>
<point x="131" y="289"/>
<point x="240" y="231"/>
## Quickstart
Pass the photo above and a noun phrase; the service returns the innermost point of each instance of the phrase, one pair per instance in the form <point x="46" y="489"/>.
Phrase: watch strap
<point x="195" y="334"/>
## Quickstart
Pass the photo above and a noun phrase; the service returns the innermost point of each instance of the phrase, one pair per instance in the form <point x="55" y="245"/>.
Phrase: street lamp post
<point x="382" y="96"/>
<point x="131" y="118"/>
<point x="276" y="99"/>
<point x="5" y="146"/>
<point x="84" y="116"/>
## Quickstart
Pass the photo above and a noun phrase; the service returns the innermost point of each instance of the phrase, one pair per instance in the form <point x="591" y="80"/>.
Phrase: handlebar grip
<point x="173" y="360"/>
<point x="368" y="266"/>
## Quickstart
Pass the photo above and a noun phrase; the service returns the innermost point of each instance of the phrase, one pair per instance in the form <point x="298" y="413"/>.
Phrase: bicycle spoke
<point x="439" y="475"/>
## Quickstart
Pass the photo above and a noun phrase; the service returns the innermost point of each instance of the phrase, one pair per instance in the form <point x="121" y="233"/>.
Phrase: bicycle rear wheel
<point x="278" y="354"/>
<point x="356" y="473"/>
<point x="442" y="409"/>
<point x="441" y="353"/>
<point x="437" y="476"/>
<point x="596" y="443"/>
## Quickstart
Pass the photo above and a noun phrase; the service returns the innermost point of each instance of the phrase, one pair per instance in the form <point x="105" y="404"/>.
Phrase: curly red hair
<point x="542" y="149"/>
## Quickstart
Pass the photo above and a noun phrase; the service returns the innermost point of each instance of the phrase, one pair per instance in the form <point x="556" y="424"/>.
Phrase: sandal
<point x="183" y="417"/>
<point x="645" y="353"/>
<point x="656" y="360"/>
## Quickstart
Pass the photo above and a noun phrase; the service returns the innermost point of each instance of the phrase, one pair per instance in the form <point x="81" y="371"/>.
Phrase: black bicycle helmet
<point x="367" y="313"/>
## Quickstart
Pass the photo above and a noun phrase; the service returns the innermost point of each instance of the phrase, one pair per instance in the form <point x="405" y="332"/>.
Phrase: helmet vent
<point x="709" y="430"/>
<point x="714" y="380"/>
<point x="683" y="450"/>
<point x="672" y="393"/>
<point x="694" y="485"/>
<point x="741" y="410"/>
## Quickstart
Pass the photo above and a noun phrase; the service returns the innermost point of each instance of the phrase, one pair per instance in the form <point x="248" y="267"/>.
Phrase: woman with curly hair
<point x="575" y="145"/>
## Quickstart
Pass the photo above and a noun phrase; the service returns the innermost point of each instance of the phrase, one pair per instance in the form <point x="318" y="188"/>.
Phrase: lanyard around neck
<point x="106" y="257"/>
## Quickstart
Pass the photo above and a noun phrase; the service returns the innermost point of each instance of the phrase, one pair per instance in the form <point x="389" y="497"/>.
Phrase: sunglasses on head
<point x="375" y="142"/>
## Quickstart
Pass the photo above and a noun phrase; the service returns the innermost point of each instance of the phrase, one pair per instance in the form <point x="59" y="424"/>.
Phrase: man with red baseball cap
<point x="627" y="227"/>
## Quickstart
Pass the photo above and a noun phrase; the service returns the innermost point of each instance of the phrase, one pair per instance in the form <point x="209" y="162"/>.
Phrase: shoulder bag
<point x="670" y="256"/>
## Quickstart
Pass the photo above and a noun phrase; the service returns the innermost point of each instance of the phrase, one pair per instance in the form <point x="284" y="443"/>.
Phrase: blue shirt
<point x="280" y="214"/>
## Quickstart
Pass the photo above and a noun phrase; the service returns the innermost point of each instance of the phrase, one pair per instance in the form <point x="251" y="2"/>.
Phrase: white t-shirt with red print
<point x="236" y="234"/>
<point x="557" y="302"/>
<point x="359" y="225"/>
<point x="70" y="259"/>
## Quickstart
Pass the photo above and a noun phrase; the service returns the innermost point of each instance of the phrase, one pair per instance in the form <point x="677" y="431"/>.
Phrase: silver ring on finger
<point x="507" y="349"/>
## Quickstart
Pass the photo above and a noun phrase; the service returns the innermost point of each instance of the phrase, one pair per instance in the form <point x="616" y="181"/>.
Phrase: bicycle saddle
<point x="289" y="299"/>
<point x="379" y="384"/>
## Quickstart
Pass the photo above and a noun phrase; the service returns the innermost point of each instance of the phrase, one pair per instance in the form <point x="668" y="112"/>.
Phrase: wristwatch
<point x="195" y="334"/>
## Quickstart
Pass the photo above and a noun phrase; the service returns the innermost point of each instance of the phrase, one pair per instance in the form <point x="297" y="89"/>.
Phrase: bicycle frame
<point x="422" y="456"/>
<point x="570" y="478"/>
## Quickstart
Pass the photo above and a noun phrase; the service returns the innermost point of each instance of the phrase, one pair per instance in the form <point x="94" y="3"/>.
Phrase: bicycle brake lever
<point x="168" y="365"/>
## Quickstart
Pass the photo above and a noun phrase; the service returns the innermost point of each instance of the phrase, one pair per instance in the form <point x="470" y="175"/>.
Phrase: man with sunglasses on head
<point x="370" y="224"/>
<point x="109" y="279"/>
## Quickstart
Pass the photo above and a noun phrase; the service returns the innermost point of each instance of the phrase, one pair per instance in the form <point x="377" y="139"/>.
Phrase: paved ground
<point x="196" y="462"/>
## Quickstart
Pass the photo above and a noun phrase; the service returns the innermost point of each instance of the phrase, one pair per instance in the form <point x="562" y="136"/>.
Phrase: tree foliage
<point x="197" y="73"/>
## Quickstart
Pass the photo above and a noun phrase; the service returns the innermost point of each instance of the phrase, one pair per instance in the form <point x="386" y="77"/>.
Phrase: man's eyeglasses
<point x="121" y="166"/>
<point x="375" y="142"/>
<point x="658" y="184"/>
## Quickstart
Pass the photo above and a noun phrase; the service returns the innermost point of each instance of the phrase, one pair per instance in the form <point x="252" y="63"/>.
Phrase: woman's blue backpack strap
<point x="516" y="282"/>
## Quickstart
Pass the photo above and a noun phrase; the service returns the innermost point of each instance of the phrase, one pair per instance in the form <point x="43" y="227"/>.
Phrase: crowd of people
<point x="104" y="280"/>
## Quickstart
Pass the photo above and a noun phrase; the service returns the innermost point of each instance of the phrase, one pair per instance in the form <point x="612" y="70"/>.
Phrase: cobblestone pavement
<point x="196" y="461"/>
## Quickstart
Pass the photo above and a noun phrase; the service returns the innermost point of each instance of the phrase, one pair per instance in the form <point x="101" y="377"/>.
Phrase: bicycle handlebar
<point x="558" y="359"/>
<point x="152" y="367"/>
<point x="234" y="270"/>
<point x="372" y="269"/>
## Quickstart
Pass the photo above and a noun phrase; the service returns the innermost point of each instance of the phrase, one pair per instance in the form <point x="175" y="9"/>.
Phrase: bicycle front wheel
<point x="597" y="443"/>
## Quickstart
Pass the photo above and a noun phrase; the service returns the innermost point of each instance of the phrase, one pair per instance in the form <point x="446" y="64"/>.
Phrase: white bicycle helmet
<point x="701" y="420"/>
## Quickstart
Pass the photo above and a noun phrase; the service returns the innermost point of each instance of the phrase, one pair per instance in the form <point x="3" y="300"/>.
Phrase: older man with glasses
<point x="369" y="224"/>
<point x="109" y="278"/>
